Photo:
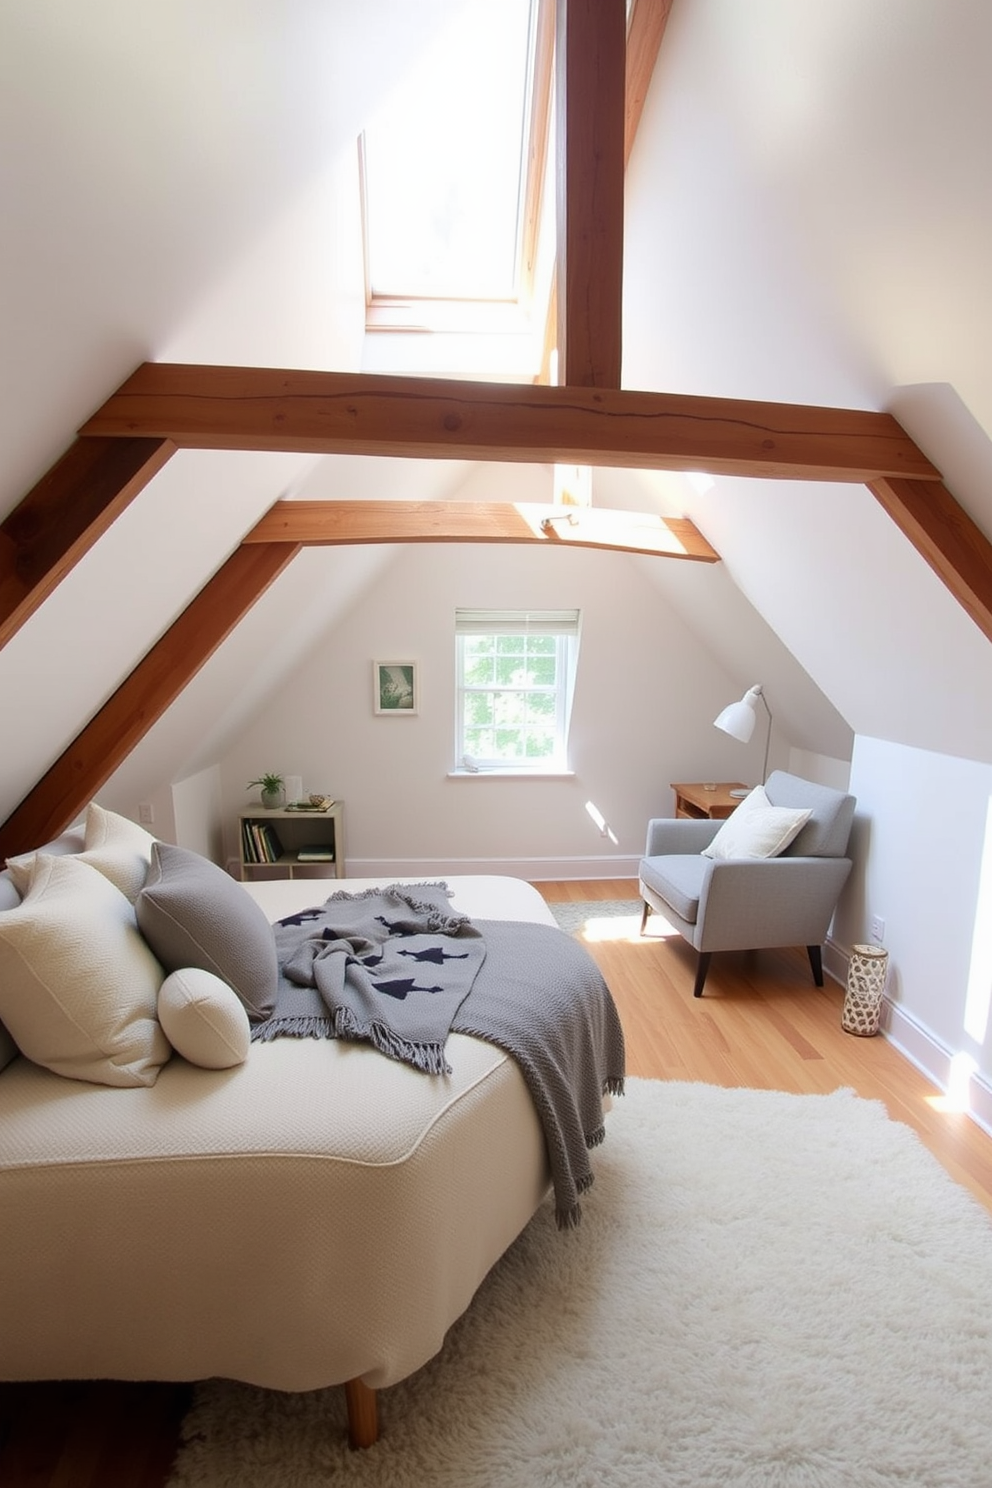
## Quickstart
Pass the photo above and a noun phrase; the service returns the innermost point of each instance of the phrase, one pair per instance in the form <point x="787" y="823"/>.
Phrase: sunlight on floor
<point x="626" y="927"/>
<point x="957" y="1096"/>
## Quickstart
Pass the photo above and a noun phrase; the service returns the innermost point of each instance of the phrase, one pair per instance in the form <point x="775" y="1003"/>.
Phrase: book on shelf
<point x="260" y="842"/>
<point x="324" y="804"/>
<point x="272" y="843"/>
<point x="316" y="852"/>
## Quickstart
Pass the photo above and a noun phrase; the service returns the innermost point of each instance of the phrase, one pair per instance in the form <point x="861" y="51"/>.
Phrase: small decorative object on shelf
<point x="865" y="988"/>
<point x="273" y="794"/>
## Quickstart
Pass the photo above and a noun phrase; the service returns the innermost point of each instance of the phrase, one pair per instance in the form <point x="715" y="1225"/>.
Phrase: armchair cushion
<point x="678" y="879"/>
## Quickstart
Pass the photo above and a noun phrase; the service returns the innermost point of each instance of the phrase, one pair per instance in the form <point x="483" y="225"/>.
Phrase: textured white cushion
<point x="113" y="845"/>
<point x="203" y="1019"/>
<point x="78" y="984"/>
<point x="757" y="829"/>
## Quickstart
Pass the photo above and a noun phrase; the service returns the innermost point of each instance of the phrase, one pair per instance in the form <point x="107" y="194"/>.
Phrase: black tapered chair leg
<point x="816" y="962"/>
<point x="644" y="916"/>
<point x="701" y="970"/>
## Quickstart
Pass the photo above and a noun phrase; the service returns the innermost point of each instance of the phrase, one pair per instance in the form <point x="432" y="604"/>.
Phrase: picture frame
<point x="395" y="689"/>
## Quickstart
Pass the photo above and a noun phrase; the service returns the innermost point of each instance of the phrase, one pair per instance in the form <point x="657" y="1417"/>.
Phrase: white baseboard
<point x="917" y="1043"/>
<point x="533" y="869"/>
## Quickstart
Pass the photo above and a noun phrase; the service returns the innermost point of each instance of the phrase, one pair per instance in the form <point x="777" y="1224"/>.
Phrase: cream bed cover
<point x="318" y="1214"/>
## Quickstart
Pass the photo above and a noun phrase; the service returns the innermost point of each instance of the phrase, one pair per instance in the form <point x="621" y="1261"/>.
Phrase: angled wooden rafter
<point x="65" y="514"/>
<point x="942" y="532"/>
<point x="156" y="681"/>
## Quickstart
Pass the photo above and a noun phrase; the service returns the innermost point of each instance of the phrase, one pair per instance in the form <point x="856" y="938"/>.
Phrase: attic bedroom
<point x="801" y="228"/>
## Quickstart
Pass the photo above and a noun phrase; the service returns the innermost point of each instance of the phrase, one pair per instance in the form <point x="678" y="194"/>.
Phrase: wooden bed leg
<point x="363" y="1414"/>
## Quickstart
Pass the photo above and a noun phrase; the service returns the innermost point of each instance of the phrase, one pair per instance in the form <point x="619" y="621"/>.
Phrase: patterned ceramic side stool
<point x="865" y="986"/>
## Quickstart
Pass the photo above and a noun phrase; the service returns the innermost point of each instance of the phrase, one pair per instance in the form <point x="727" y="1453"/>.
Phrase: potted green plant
<point x="273" y="793"/>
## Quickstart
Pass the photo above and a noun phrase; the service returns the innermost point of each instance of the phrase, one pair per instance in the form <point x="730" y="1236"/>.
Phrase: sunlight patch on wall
<point x="976" y="1008"/>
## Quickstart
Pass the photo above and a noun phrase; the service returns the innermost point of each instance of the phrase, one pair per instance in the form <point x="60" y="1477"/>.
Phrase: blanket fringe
<point x="264" y="1033"/>
<point x="428" y="1057"/>
<point x="438" y="920"/>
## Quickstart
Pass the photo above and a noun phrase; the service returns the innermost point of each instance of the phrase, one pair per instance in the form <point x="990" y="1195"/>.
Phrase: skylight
<point x="444" y="162"/>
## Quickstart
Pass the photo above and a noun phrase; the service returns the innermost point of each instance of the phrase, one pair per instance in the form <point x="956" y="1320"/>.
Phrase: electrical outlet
<point x="877" y="930"/>
<point x="146" y="813"/>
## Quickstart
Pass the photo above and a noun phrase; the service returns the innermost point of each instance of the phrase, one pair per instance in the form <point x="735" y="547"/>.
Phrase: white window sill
<point x="482" y="774"/>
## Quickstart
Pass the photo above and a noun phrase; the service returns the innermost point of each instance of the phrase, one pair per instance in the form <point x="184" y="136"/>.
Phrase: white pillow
<point x="757" y="831"/>
<point x="204" y="1019"/>
<point x="114" y="845"/>
<point x="78" y="984"/>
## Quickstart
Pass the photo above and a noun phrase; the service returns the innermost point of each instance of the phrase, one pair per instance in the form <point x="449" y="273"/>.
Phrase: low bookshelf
<point x="292" y="842"/>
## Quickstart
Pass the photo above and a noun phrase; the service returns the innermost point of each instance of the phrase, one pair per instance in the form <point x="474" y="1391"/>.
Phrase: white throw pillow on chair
<point x="757" y="829"/>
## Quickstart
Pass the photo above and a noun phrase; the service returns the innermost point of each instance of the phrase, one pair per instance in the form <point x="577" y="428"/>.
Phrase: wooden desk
<point x="693" y="800"/>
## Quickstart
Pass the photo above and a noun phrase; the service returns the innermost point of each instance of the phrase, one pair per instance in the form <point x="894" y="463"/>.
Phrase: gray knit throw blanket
<point x="537" y="994"/>
<point x="390" y="967"/>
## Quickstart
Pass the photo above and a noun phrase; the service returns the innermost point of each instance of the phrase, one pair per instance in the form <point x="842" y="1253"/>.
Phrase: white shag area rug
<point x="593" y="916"/>
<point x="766" y="1291"/>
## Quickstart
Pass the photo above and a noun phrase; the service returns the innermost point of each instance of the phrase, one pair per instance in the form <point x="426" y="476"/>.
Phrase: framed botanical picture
<point x="396" y="690"/>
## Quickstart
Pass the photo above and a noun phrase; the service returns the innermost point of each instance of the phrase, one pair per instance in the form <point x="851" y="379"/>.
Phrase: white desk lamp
<point x="738" y="720"/>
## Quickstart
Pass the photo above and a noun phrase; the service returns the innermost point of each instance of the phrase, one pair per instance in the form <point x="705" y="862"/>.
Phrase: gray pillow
<point x="192" y="913"/>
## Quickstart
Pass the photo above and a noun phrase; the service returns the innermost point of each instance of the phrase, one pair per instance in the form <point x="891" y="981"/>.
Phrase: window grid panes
<point x="513" y="692"/>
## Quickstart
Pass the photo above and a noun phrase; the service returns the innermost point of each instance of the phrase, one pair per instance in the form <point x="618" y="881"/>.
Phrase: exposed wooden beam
<point x="64" y="515"/>
<point x="590" y="61"/>
<point x="259" y="408"/>
<point x="143" y="697"/>
<point x="942" y="532"/>
<point x="313" y="523"/>
<point x="645" y="31"/>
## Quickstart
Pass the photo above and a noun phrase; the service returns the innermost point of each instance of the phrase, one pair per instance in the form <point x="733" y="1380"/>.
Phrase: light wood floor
<point x="761" y="1023"/>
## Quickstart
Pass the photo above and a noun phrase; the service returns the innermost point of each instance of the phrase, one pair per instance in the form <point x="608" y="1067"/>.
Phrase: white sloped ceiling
<point x="808" y="219"/>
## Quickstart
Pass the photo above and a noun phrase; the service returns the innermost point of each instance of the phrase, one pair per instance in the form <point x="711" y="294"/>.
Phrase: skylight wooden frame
<point x="397" y="312"/>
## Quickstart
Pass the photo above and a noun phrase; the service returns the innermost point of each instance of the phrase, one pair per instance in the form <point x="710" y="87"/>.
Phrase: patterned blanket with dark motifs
<point x="398" y="968"/>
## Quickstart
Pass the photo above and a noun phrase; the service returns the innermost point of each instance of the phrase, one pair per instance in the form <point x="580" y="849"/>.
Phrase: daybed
<point x="317" y="1215"/>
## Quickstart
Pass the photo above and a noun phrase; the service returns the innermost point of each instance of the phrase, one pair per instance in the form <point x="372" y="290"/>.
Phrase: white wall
<point x="920" y="839"/>
<point x="197" y="812"/>
<point x="646" y="696"/>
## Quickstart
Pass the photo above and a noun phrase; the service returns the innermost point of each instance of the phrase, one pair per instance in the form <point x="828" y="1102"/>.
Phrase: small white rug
<point x="766" y="1291"/>
<point x="596" y="917"/>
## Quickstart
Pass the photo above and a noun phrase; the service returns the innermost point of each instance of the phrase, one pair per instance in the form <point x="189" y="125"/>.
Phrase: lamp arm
<point x="768" y="737"/>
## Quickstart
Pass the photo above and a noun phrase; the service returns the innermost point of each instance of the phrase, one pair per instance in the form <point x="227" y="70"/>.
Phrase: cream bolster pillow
<point x="203" y="1019"/>
<point x="117" y="847"/>
<point x="78" y="984"/>
<point x="757" y="829"/>
<point x="192" y="913"/>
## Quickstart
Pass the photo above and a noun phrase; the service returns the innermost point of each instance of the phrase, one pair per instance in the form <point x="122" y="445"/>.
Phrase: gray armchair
<point x="740" y="904"/>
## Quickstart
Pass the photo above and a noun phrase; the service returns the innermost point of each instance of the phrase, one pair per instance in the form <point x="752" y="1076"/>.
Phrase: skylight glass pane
<point x="443" y="162"/>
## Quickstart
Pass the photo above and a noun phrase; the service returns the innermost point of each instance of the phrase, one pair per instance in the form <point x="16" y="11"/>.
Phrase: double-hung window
<point x="515" y="676"/>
